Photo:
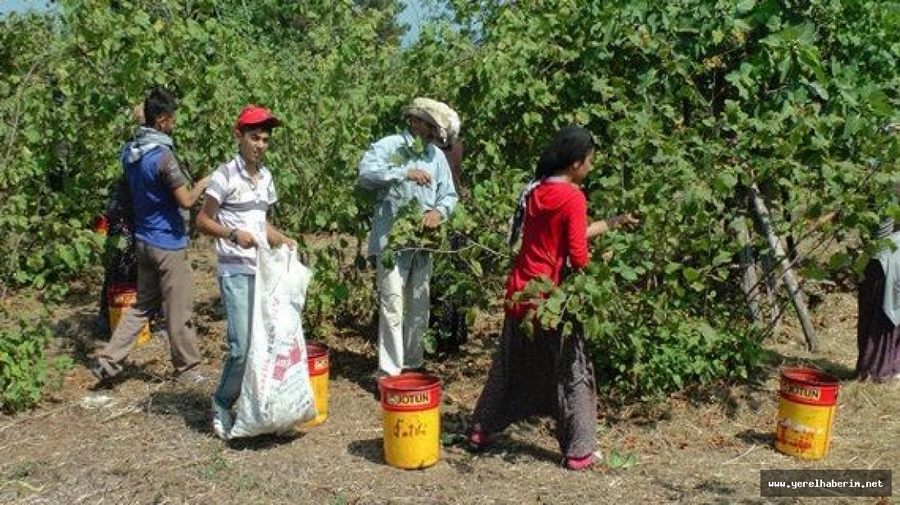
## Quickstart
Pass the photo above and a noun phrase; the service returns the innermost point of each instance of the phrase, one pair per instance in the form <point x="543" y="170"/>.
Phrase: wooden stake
<point x="790" y="281"/>
<point x="772" y="285"/>
<point x="749" y="277"/>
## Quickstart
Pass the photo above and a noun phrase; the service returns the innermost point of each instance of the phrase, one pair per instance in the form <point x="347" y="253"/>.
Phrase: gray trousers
<point x="164" y="277"/>
<point x="542" y="374"/>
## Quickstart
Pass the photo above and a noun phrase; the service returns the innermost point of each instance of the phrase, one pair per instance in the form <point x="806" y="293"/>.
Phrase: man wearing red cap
<point x="238" y="197"/>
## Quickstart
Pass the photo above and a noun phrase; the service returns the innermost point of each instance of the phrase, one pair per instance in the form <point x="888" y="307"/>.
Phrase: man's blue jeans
<point x="237" y="298"/>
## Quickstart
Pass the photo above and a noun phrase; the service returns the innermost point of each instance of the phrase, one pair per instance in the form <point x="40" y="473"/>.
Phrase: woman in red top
<point x="544" y="374"/>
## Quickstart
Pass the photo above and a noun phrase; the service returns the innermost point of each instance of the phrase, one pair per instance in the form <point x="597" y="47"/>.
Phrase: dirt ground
<point x="148" y="440"/>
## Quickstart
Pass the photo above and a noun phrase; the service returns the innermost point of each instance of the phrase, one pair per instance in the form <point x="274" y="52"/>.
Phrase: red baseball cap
<point x="254" y="115"/>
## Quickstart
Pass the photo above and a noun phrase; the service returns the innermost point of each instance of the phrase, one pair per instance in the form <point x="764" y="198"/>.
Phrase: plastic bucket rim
<point x="120" y="289"/>
<point x="394" y="382"/>
<point x="316" y="350"/>
<point x="810" y="376"/>
<point x="122" y="286"/>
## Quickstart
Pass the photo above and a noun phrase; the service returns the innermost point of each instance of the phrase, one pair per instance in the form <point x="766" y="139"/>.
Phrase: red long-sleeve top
<point x="554" y="230"/>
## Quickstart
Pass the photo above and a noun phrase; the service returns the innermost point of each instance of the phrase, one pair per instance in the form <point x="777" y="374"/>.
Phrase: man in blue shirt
<point x="159" y="191"/>
<point x="397" y="178"/>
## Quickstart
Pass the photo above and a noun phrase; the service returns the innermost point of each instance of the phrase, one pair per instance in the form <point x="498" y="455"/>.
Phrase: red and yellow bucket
<point x="411" y="405"/>
<point x="101" y="224"/>
<point x="120" y="297"/>
<point x="317" y="361"/>
<point x="805" y="412"/>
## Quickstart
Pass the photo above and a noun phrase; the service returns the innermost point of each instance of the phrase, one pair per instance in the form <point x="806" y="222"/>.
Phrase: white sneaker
<point x="221" y="421"/>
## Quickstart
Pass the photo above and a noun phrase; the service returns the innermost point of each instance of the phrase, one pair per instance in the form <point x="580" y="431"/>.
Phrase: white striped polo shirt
<point x="242" y="205"/>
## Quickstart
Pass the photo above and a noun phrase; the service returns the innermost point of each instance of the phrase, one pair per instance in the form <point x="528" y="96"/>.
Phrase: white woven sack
<point x="276" y="393"/>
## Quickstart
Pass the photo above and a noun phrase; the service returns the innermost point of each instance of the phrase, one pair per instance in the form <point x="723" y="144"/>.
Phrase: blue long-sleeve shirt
<point x="379" y="173"/>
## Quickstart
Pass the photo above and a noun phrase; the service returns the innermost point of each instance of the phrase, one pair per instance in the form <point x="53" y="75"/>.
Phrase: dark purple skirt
<point x="542" y="375"/>
<point x="877" y="338"/>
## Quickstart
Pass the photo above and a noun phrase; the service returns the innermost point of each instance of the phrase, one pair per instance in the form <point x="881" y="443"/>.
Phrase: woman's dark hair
<point x="158" y="102"/>
<point x="569" y="145"/>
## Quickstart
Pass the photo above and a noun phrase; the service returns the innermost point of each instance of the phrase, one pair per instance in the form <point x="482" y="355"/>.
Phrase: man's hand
<point x="291" y="243"/>
<point x="202" y="183"/>
<point x="597" y="228"/>
<point x="432" y="219"/>
<point x="602" y="226"/>
<point x="419" y="176"/>
<point x="245" y="239"/>
<point x="624" y="221"/>
<point x="137" y="113"/>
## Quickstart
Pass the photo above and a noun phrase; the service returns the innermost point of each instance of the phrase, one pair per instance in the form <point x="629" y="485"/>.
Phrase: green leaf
<point x="820" y="90"/>
<point x="707" y="331"/>
<point x="722" y="257"/>
<point x="340" y="292"/>
<point x="450" y="439"/>
<point x="627" y="273"/>
<point x="429" y="342"/>
<point x="690" y="274"/>
<point x="718" y="36"/>
<point x="621" y="461"/>
<point x="67" y="255"/>
<point x="475" y="266"/>
<point x="745" y="6"/>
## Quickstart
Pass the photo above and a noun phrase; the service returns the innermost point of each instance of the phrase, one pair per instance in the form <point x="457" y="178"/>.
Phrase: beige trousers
<point x="403" y="306"/>
<point x="164" y="277"/>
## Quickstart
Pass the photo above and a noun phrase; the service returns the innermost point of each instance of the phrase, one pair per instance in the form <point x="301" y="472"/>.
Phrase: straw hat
<point x="452" y="121"/>
<point x="436" y="113"/>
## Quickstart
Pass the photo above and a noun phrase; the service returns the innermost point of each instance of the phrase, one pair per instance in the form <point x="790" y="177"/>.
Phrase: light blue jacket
<point x="392" y="189"/>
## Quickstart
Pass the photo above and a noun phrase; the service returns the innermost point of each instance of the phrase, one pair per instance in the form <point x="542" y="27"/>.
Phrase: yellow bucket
<point x="805" y="412"/>
<point x="411" y="404"/>
<point x="317" y="360"/>
<point x="121" y="297"/>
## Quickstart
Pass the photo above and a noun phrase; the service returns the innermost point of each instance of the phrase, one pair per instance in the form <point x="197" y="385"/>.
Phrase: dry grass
<point x="151" y="442"/>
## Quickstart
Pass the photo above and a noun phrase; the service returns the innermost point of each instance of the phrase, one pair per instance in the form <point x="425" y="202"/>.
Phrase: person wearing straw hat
<point x="450" y="143"/>
<point x="403" y="287"/>
<point x="448" y="321"/>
